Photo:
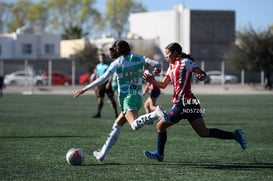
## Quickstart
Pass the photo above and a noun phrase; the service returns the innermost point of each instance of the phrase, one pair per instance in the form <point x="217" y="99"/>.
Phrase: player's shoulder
<point x="142" y="57"/>
<point x="117" y="62"/>
<point x="188" y="61"/>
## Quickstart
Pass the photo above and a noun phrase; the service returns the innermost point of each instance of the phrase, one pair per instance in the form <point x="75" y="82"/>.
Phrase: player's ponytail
<point x="189" y="56"/>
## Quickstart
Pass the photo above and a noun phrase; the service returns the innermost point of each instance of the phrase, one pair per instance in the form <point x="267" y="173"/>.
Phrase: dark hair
<point x="189" y="56"/>
<point x="121" y="47"/>
<point x="174" y="47"/>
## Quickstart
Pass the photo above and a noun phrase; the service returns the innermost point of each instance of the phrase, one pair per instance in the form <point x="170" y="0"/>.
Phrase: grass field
<point x="36" y="132"/>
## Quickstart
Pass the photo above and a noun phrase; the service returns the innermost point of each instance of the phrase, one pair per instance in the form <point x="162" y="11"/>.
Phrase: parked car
<point x="215" y="77"/>
<point x="24" y="78"/>
<point x="84" y="78"/>
<point x="58" y="78"/>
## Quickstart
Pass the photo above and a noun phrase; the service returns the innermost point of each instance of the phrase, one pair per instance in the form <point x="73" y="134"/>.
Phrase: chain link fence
<point x="73" y="71"/>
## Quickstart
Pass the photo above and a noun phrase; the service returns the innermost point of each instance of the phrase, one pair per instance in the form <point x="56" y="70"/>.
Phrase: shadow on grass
<point x="231" y="166"/>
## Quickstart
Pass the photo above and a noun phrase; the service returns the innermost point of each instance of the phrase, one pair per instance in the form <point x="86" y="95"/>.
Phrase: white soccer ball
<point x="75" y="156"/>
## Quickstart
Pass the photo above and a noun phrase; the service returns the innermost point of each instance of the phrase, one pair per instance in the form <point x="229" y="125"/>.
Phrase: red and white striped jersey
<point x="180" y="73"/>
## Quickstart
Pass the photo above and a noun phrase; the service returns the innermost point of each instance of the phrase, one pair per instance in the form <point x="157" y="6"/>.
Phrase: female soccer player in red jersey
<point x="185" y="104"/>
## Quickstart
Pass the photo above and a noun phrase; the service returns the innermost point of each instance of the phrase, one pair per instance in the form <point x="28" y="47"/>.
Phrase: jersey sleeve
<point x="168" y="72"/>
<point x="113" y="66"/>
<point x="154" y="63"/>
<point x="110" y="71"/>
<point x="191" y="65"/>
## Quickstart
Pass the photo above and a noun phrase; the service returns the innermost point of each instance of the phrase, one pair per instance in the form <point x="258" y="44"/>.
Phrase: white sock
<point x="144" y="119"/>
<point x="110" y="141"/>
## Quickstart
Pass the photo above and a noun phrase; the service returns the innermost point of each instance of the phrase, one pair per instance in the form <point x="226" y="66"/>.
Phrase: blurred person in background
<point x="153" y="91"/>
<point x="105" y="88"/>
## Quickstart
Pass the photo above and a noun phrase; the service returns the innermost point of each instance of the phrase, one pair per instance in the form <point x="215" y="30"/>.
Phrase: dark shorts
<point x="184" y="111"/>
<point x="155" y="93"/>
<point x="103" y="90"/>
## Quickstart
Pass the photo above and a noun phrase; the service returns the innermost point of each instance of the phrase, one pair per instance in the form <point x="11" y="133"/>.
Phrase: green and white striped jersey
<point x="129" y="71"/>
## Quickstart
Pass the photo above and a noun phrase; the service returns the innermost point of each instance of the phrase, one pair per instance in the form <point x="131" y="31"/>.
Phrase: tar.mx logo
<point x="190" y="101"/>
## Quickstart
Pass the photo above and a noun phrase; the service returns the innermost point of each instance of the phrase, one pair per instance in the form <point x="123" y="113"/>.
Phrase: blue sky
<point x="257" y="13"/>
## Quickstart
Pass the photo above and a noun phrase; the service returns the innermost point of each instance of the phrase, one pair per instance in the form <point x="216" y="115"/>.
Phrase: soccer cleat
<point x="96" y="115"/>
<point x="162" y="114"/>
<point x="98" y="156"/>
<point x="153" y="155"/>
<point x="239" y="137"/>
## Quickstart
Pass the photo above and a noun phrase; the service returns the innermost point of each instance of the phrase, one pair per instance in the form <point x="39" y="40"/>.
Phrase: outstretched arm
<point x="200" y="74"/>
<point x="156" y="64"/>
<point x="94" y="84"/>
<point x="146" y="88"/>
<point x="163" y="84"/>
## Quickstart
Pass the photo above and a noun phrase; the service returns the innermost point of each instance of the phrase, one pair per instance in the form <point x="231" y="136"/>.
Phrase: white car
<point x="24" y="78"/>
<point x="215" y="77"/>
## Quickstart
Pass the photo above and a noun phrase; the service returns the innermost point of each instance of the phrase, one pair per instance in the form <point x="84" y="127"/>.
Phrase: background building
<point x="25" y="44"/>
<point x="204" y="34"/>
<point x="211" y="34"/>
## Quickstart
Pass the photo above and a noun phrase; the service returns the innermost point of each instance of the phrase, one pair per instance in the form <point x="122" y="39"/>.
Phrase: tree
<point x="253" y="51"/>
<point x="5" y="14"/>
<point x="19" y="15"/>
<point x="72" y="32"/>
<point x="23" y="14"/>
<point x="50" y="15"/>
<point x="38" y="15"/>
<point x="88" y="57"/>
<point x="118" y="12"/>
<point x="271" y="27"/>
<point x="66" y="14"/>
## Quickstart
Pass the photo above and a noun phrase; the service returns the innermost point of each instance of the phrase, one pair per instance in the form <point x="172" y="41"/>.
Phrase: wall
<point x="12" y="45"/>
<point x="6" y="43"/>
<point x="212" y="32"/>
<point x="70" y="47"/>
<point x="164" y="26"/>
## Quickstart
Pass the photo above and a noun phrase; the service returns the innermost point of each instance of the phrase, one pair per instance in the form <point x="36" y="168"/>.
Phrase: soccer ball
<point x="75" y="156"/>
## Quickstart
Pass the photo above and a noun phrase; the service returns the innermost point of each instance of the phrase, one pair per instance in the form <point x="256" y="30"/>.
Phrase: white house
<point x="24" y="44"/>
<point x="6" y="45"/>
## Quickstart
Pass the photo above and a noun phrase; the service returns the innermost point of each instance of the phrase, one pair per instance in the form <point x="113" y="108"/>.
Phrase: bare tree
<point x="253" y="51"/>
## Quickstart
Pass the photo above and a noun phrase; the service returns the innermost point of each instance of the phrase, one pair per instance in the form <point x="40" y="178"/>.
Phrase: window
<point x="27" y="48"/>
<point x="49" y="49"/>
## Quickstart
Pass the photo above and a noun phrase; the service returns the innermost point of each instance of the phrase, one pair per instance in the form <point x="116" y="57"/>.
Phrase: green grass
<point x="37" y="131"/>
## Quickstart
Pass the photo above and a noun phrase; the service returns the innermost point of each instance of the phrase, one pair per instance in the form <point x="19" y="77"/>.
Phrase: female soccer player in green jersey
<point x="129" y="69"/>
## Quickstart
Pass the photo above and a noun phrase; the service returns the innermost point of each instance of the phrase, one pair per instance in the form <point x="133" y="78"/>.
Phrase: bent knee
<point x="161" y="126"/>
<point x="203" y="133"/>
